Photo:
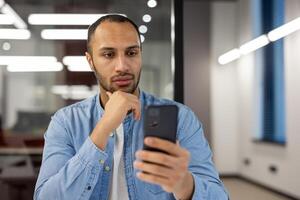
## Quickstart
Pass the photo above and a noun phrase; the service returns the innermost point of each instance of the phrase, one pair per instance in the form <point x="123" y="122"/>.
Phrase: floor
<point x="243" y="190"/>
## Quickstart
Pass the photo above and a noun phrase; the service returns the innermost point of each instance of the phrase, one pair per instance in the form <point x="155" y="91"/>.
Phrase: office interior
<point x="220" y="57"/>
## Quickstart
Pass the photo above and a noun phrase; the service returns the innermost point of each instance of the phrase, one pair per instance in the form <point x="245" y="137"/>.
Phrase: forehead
<point x="115" y="35"/>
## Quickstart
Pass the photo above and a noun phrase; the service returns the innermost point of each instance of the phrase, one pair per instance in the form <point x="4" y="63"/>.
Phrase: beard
<point x="108" y="86"/>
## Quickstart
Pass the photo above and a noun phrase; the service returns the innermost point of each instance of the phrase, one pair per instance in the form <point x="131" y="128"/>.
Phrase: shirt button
<point x="107" y="168"/>
<point x="101" y="161"/>
<point x="89" y="187"/>
<point x="112" y="134"/>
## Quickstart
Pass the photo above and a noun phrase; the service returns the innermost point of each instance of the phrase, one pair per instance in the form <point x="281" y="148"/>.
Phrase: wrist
<point x="100" y="134"/>
<point x="186" y="190"/>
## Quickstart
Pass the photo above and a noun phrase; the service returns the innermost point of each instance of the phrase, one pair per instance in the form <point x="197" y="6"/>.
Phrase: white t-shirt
<point x="118" y="189"/>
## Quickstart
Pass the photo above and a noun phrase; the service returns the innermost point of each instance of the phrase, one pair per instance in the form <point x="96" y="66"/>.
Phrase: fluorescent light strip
<point x="68" y="19"/>
<point x="6" y="19"/>
<point x="261" y="41"/>
<point x="79" y="68"/>
<point x="74" y="91"/>
<point x="284" y="30"/>
<point x="15" y="34"/>
<point x="75" y="60"/>
<point x="244" y="49"/>
<point x="64" y="34"/>
<point x="27" y="60"/>
<point x="77" y="63"/>
<point x="254" y="44"/>
<point x="45" y="67"/>
<point x="63" y="19"/>
<point x="18" y="22"/>
<point x="229" y="56"/>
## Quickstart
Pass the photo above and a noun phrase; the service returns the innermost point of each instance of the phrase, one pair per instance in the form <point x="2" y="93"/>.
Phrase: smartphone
<point x="160" y="121"/>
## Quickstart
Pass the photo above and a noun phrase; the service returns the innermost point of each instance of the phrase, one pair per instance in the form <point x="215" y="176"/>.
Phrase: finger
<point x="137" y="111"/>
<point x="164" y="145"/>
<point x="158" y="158"/>
<point x="153" y="169"/>
<point x="136" y="108"/>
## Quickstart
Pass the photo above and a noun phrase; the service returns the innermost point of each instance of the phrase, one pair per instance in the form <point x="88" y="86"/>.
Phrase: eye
<point x="108" y="54"/>
<point x="132" y="53"/>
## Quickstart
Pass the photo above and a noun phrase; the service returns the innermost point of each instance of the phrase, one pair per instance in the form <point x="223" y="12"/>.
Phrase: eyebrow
<point x="111" y="48"/>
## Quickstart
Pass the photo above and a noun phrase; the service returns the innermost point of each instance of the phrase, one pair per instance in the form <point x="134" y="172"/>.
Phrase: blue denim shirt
<point x="74" y="168"/>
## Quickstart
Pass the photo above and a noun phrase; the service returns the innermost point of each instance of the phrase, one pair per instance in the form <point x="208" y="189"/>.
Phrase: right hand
<point x="117" y="107"/>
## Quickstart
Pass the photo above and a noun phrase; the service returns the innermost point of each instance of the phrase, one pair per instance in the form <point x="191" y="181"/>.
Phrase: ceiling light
<point x="143" y="29"/>
<point x="28" y="60"/>
<point x="229" y="56"/>
<point x="142" y="38"/>
<point x="6" y="19"/>
<point x="64" y="34"/>
<point x="75" y="60"/>
<point x="63" y="19"/>
<point x="74" y="92"/>
<point x="15" y="34"/>
<point x="254" y="44"/>
<point x="6" y="46"/>
<point x="152" y="3"/>
<point x="17" y="20"/>
<point x="45" y="67"/>
<point x="284" y="30"/>
<point x="147" y="18"/>
<point x="77" y="63"/>
<point x="68" y="19"/>
<point x="79" y="68"/>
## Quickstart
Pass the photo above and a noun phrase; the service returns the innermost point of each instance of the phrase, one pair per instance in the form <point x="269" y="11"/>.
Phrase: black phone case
<point x="160" y="121"/>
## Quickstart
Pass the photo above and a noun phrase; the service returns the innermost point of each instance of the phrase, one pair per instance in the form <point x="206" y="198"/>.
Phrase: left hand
<point x="170" y="171"/>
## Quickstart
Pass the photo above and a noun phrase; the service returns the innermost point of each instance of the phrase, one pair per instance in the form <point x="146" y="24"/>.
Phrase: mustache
<point x="122" y="76"/>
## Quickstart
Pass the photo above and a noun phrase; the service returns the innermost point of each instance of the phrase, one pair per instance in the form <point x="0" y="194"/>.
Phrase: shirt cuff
<point x="199" y="190"/>
<point x="205" y="191"/>
<point x="90" y="154"/>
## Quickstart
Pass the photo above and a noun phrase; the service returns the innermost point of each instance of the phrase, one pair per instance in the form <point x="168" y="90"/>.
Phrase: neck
<point x="104" y="97"/>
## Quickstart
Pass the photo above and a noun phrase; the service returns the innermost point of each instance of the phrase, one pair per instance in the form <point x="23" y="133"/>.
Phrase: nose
<point x="121" y="64"/>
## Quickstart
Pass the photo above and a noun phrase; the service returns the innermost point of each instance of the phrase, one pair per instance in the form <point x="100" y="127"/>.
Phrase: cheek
<point x="137" y="64"/>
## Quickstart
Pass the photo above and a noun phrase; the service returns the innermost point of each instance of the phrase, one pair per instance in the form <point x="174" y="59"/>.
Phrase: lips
<point x="122" y="81"/>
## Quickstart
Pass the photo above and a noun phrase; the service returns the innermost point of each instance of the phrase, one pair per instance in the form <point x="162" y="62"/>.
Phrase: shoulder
<point x="84" y="107"/>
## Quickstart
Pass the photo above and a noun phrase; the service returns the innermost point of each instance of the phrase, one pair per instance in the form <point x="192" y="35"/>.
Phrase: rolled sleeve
<point x="90" y="154"/>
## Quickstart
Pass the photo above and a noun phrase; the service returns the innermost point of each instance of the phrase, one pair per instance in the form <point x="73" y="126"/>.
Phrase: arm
<point x="208" y="185"/>
<point x="65" y="174"/>
<point x="69" y="174"/>
<point x="187" y="170"/>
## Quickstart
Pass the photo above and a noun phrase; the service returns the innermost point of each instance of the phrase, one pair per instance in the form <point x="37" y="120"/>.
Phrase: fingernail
<point x="137" y="154"/>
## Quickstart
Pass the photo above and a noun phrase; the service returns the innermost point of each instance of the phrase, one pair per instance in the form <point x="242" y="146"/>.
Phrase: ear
<point x="90" y="61"/>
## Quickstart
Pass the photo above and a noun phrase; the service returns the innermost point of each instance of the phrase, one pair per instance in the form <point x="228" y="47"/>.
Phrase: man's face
<point x="115" y="56"/>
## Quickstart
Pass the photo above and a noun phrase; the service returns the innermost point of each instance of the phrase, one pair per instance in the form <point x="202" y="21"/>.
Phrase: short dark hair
<point x="111" y="18"/>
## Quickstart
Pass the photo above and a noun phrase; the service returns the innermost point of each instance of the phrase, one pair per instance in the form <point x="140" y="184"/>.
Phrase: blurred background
<point x="234" y="62"/>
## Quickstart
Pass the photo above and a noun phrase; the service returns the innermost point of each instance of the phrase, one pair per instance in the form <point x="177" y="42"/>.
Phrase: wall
<point x="287" y="158"/>
<point x="234" y="103"/>
<point x="224" y="101"/>
<point x="196" y="60"/>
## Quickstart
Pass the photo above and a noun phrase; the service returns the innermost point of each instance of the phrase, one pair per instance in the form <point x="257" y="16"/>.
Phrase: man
<point x="93" y="149"/>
